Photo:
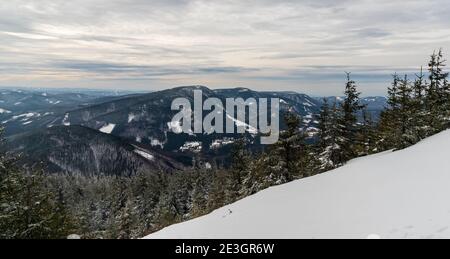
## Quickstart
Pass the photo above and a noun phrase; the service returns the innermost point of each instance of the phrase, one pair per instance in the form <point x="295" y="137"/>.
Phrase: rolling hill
<point x="23" y="110"/>
<point x="145" y="118"/>
<point x="78" y="150"/>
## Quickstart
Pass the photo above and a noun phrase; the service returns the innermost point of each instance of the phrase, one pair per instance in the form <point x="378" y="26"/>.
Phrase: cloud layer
<point x="151" y="44"/>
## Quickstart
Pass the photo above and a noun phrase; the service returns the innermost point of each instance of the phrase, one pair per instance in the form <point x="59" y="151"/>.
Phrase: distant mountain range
<point x="25" y="110"/>
<point x="374" y="104"/>
<point x="92" y="133"/>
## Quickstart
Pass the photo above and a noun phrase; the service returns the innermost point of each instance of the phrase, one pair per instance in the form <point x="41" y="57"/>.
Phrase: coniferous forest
<point x="36" y="205"/>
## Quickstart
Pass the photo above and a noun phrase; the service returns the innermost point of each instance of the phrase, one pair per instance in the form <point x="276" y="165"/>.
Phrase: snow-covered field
<point x="108" y="129"/>
<point x="405" y="194"/>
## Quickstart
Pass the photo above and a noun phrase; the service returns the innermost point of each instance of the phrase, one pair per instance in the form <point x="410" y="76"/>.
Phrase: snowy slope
<point x="405" y="194"/>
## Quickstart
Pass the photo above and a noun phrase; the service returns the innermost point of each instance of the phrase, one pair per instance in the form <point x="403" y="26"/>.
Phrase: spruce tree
<point x="288" y="157"/>
<point x="240" y="168"/>
<point x="388" y="130"/>
<point x="147" y="189"/>
<point x="200" y="193"/>
<point x="438" y="93"/>
<point x="126" y="220"/>
<point x="327" y="139"/>
<point x="324" y="125"/>
<point x="393" y="93"/>
<point x="217" y="195"/>
<point x="406" y="135"/>
<point x="29" y="210"/>
<point x="419" y="111"/>
<point x="28" y="207"/>
<point x="256" y="179"/>
<point x="367" y="135"/>
<point x="349" y="121"/>
<point x="331" y="154"/>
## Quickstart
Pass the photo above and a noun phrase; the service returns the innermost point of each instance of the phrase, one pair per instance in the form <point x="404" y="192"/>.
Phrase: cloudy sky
<point x="300" y="45"/>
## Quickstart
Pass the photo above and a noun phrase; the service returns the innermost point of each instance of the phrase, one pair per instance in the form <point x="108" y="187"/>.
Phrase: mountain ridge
<point x="141" y="119"/>
<point x="79" y="150"/>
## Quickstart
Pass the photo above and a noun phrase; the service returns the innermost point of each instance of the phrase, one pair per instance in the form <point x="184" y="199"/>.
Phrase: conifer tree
<point x="176" y="201"/>
<point x="240" y="168"/>
<point x="406" y="136"/>
<point x="288" y="157"/>
<point x="257" y="178"/>
<point x="200" y="193"/>
<point x="349" y="121"/>
<point x="126" y="220"/>
<point x="419" y="111"/>
<point x="147" y="189"/>
<point x="393" y="93"/>
<point x="28" y="208"/>
<point x="331" y="154"/>
<point x="438" y="93"/>
<point x="217" y="195"/>
<point x="367" y="135"/>
<point x="326" y="137"/>
<point x="387" y="128"/>
<point x="324" y="125"/>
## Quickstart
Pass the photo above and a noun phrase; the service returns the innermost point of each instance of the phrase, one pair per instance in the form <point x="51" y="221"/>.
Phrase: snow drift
<point x="404" y="194"/>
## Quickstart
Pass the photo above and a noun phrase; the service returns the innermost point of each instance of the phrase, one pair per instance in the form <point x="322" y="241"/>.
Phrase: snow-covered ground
<point x="192" y="146"/>
<point x="4" y="111"/>
<point x="144" y="154"/>
<point x="404" y="194"/>
<point x="108" y="129"/>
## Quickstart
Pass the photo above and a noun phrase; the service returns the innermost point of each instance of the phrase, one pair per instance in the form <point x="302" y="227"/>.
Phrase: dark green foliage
<point x="348" y="122"/>
<point x="200" y="193"/>
<point x="240" y="167"/>
<point x="341" y="136"/>
<point x="330" y="151"/>
<point x="287" y="158"/>
<point x="438" y="93"/>
<point x="416" y="110"/>
<point x="419" y="111"/>
<point x="398" y="128"/>
<point x="218" y="194"/>
<point x="28" y="209"/>
<point x="367" y="135"/>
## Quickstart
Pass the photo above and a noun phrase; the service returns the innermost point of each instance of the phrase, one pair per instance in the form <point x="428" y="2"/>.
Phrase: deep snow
<point x="403" y="194"/>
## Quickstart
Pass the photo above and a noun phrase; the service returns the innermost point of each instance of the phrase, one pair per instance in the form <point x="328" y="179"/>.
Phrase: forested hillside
<point x="35" y="204"/>
<point x="391" y="195"/>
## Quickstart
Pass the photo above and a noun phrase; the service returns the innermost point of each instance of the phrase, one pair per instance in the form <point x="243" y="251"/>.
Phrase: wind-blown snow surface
<point x="404" y="194"/>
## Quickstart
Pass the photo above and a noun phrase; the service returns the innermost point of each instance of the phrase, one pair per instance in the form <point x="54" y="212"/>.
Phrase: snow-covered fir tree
<point x="367" y="135"/>
<point x="438" y="93"/>
<point x="287" y="159"/>
<point x="330" y="141"/>
<point x="240" y="168"/>
<point x="419" y="112"/>
<point x="348" y="123"/>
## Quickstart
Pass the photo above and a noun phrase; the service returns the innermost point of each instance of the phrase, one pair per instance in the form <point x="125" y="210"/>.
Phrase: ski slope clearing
<point x="108" y="129"/>
<point x="404" y="194"/>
